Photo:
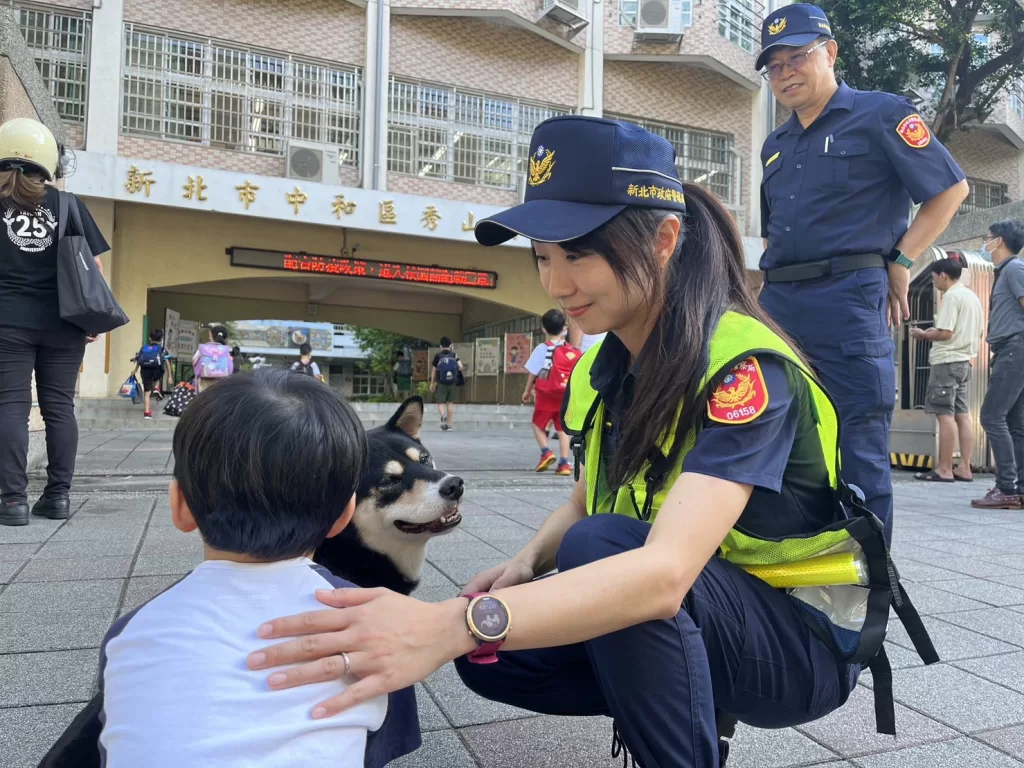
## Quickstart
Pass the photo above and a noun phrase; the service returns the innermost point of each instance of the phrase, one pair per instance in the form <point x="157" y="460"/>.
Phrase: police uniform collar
<point x="611" y="368"/>
<point x="841" y="99"/>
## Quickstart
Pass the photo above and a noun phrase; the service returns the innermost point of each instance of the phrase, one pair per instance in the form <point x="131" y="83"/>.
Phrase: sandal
<point x="932" y="477"/>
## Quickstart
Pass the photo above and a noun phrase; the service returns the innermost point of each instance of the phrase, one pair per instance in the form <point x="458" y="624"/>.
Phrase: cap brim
<point x="792" y="41"/>
<point x="547" y="221"/>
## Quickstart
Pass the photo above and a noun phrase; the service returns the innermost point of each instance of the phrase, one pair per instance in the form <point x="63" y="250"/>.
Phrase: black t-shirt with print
<point x="28" y="262"/>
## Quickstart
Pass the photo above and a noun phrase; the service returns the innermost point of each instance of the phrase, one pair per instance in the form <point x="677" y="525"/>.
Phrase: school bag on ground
<point x="182" y="396"/>
<point x="151" y="357"/>
<point x="214" y="361"/>
<point x="562" y="358"/>
<point x="447" y="369"/>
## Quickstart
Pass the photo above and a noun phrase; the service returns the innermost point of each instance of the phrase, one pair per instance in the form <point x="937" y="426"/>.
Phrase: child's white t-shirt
<point x="177" y="692"/>
<point x="538" y="359"/>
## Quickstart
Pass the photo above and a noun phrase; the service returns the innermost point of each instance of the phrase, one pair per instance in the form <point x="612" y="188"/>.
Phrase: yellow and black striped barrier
<point x="911" y="460"/>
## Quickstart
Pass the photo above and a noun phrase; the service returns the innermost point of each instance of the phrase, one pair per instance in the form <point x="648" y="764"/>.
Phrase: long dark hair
<point x="24" y="189"/>
<point x="706" y="276"/>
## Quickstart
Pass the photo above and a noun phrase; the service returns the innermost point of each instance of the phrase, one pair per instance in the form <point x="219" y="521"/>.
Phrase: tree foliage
<point x="381" y="348"/>
<point x="928" y="47"/>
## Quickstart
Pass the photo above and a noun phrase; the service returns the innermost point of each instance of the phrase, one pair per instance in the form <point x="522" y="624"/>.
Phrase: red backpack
<point x="562" y="358"/>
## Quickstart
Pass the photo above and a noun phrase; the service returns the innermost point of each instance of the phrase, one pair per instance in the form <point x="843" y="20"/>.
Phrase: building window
<point x="739" y="22"/>
<point x="984" y="194"/>
<point x="438" y="132"/>
<point x="365" y="384"/>
<point x="1017" y="98"/>
<point x="59" y="41"/>
<point x="222" y="96"/>
<point x="703" y="158"/>
<point x="628" y="11"/>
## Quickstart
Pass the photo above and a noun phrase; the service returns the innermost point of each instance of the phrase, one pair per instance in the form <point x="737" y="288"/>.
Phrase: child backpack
<point x="151" y="356"/>
<point x="304" y="368"/>
<point x="183" y="395"/>
<point x="404" y="368"/>
<point x="447" y="368"/>
<point x="214" y="361"/>
<point x="562" y="358"/>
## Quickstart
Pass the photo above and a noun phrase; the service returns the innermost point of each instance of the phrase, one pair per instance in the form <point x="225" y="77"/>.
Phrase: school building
<point x="325" y="160"/>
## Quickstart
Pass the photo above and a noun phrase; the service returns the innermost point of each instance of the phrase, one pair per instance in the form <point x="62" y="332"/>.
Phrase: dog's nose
<point x="452" y="488"/>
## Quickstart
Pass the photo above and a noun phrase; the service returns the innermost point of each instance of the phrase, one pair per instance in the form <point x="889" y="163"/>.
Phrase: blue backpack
<point x="447" y="368"/>
<point x="151" y="356"/>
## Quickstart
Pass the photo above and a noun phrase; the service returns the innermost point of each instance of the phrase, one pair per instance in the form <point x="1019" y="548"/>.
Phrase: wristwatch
<point x="896" y="256"/>
<point x="488" y="620"/>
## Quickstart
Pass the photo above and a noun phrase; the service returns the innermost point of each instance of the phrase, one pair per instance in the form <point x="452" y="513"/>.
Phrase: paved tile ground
<point x="62" y="583"/>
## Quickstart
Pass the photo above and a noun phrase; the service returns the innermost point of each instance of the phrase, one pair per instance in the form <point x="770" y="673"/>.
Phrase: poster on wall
<point x="172" y="319"/>
<point x="419" y="365"/>
<point x="488" y="357"/>
<point x="518" y="347"/>
<point x="465" y="352"/>
<point x="188" y="338"/>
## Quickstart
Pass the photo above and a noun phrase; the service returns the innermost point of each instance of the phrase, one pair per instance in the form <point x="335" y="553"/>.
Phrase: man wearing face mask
<point x="1002" y="413"/>
<point x="838" y="181"/>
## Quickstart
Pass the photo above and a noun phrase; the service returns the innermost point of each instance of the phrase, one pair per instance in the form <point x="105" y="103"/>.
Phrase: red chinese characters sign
<point x="376" y="270"/>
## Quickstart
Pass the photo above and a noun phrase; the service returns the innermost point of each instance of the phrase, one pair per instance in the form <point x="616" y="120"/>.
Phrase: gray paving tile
<point x="71" y="569"/>
<point x="951" y="642"/>
<point x="464" y="549"/>
<point x="10" y="553"/>
<point x="969" y="566"/>
<point x="436" y="594"/>
<point x="182" y="544"/>
<point x="431" y="716"/>
<point x="759" y="748"/>
<point x="850" y="730"/>
<point x="1009" y="740"/>
<point x="8" y="569"/>
<point x="48" y="678"/>
<point x="1000" y="623"/>
<point x="959" y="547"/>
<point x="83" y="530"/>
<point x="50" y="596"/>
<point x="961" y="753"/>
<point x="58" y="631"/>
<point x="144" y="588"/>
<point x="930" y="601"/>
<point x="1007" y="670"/>
<point x="159" y="565"/>
<point x="544" y="742"/>
<point x="1012" y="560"/>
<point x="441" y="749"/>
<point x="27" y="733"/>
<point x="911" y="570"/>
<point x="528" y="517"/>
<point x="958" y="699"/>
<point x="88" y="548"/>
<point x="38" y="529"/>
<point x="1016" y="580"/>
<point x="106" y="507"/>
<point x="461" y="571"/>
<point x="901" y="658"/>
<point x="431" y="577"/>
<point x="982" y="590"/>
<point x="461" y="706"/>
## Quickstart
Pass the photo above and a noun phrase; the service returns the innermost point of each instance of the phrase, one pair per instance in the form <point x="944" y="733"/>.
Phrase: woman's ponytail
<point x="25" y="190"/>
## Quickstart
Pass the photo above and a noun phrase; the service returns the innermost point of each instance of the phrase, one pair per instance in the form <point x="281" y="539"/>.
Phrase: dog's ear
<point x="409" y="417"/>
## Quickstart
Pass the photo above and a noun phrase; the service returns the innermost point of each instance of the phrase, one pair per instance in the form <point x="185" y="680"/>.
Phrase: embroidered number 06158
<point x="38" y="228"/>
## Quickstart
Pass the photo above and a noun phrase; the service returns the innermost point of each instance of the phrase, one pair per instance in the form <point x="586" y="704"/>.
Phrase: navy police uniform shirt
<point x="844" y="185"/>
<point x="773" y="447"/>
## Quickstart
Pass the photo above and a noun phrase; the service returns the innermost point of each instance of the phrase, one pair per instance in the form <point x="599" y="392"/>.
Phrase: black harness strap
<point x="881" y="680"/>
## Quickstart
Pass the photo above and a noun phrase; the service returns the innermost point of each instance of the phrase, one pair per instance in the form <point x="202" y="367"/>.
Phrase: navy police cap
<point x="793" y="26"/>
<point x="582" y="172"/>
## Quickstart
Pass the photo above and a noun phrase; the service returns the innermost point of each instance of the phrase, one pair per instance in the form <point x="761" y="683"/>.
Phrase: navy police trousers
<point x="736" y="644"/>
<point x="840" y="325"/>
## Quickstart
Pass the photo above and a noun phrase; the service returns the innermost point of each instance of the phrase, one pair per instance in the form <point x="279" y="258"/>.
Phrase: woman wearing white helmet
<point x="32" y="335"/>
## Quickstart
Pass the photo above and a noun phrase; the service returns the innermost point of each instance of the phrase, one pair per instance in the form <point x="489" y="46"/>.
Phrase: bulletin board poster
<point x="419" y="365"/>
<point x="466" y="352"/>
<point x="488" y="357"/>
<point x="518" y="347"/>
<point x="172" y="321"/>
<point x="188" y="338"/>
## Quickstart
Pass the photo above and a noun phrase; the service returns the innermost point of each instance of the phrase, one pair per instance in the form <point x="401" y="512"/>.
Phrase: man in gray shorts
<point x="955" y="335"/>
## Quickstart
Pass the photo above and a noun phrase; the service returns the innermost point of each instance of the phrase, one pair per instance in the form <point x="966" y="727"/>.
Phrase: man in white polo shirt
<point x="955" y="336"/>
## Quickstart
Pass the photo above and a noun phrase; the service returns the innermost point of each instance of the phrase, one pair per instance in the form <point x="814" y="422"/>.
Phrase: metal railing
<point x="453" y="134"/>
<point x="739" y="21"/>
<point x="984" y="194"/>
<point x="239" y="98"/>
<point x="59" y="41"/>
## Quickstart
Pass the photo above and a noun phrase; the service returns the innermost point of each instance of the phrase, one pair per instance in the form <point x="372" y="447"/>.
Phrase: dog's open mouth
<point x="443" y="523"/>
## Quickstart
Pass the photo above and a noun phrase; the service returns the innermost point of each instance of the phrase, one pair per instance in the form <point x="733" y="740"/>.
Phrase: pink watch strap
<point x="485" y="652"/>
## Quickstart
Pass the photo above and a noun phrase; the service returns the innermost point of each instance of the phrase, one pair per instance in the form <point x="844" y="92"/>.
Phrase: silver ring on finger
<point x="348" y="663"/>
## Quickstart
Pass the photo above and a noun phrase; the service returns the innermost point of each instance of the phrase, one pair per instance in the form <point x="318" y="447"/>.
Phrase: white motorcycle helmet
<point x="29" y="144"/>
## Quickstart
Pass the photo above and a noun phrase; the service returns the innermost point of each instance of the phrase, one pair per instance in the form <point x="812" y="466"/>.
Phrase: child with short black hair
<point x="152" y="360"/>
<point x="549" y="367"/>
<point x="266" y="467"/>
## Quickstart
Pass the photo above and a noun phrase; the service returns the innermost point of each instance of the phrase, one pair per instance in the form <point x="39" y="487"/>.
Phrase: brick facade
<point x="987" y="156"/>
<point x="331" y="30"/>
<point x="78" y="5"/>
<point x="449" y="190"/>
<point x="526" y="10"/>
<point x="76" y="135"/>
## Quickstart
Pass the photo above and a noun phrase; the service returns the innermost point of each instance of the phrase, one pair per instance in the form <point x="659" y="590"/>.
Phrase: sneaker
<point x="996" y="499"/>
<point x="444" y="423"/>
<point x="147" y="415"/>
<point x="547" y="458"/>
<point x="564" y="468"/>
<point x="53" y="507"/>
<point x="14" y="513"/>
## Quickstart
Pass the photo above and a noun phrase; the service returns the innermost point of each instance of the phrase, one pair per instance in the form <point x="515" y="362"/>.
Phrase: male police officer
<point x="838" y="180"/>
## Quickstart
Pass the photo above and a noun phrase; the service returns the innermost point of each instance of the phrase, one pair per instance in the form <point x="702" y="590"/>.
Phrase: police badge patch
<point x="914" y="132"/>
<point x="741" y="397"/>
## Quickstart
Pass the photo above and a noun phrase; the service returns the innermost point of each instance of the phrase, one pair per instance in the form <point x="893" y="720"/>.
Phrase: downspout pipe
<point x="378" y="95"/>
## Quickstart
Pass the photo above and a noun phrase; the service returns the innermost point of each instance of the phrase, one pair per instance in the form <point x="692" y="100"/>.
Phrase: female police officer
<point x="700" y="426"/>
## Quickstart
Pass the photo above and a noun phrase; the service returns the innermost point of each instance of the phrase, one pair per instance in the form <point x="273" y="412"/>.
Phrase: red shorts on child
<point x="547" y="410"/>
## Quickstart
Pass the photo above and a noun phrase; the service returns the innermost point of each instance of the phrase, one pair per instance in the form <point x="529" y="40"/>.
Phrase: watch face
<point x="489" y="618"/>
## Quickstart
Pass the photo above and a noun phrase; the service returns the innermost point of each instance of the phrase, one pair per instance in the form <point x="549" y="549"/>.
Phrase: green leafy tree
<point x="381" y="348"/>
<point x="960" y="56"/>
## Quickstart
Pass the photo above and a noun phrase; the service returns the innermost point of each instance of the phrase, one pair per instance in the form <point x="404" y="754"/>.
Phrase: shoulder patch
<point x="741" y="397"/>
<point x="914" y="132"/>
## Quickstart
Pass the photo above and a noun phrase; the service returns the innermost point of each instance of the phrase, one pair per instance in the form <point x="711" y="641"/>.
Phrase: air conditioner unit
<point x="572" y="13"/>
<point x="659" y="21"/>
<point x="313" y="162"/>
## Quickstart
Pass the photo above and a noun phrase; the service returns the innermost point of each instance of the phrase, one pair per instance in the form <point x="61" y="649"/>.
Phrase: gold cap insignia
<point x="776" y="26"/>
<point x="541" y="163"/>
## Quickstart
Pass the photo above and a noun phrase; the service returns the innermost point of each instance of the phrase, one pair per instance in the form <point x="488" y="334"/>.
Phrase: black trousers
<point x="56" y="357"/>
